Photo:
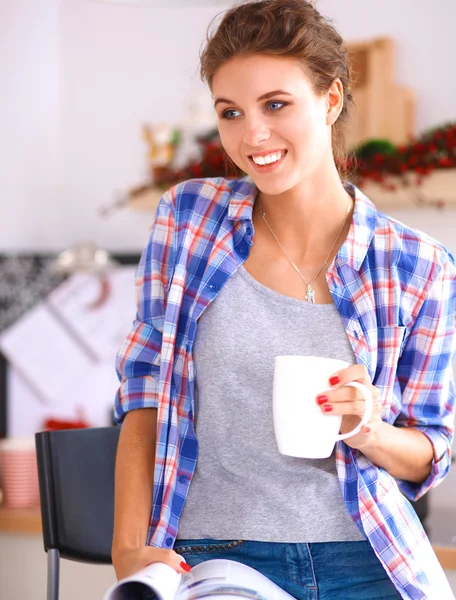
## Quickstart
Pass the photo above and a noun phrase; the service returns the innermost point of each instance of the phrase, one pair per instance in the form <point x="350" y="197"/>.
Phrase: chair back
<point x="76" y="478"/>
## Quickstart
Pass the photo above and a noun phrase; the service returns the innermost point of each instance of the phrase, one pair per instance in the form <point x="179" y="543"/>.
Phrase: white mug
<point x="301" y="428"/>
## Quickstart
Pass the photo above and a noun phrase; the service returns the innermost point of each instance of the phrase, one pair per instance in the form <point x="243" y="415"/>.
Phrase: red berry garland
<point x="435" y="149"/>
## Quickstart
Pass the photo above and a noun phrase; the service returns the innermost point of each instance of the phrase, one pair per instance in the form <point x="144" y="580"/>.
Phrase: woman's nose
<point x="256" y="132"/>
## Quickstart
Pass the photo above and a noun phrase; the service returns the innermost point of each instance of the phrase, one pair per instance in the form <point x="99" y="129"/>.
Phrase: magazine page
<point x="220" y="578"/>
<point x="213" y="579"/>
<point x="156" y="582"/>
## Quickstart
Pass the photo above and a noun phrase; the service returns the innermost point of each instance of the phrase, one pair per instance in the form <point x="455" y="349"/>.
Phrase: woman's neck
<point x="307" y="218"/>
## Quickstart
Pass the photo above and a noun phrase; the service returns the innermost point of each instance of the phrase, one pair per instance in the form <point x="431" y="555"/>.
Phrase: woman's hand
<point x="130" y="560"/>
<point x="349" y="402"/>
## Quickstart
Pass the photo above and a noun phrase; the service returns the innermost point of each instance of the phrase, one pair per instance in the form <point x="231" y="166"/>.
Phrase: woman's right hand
<point x="130" y="560"/>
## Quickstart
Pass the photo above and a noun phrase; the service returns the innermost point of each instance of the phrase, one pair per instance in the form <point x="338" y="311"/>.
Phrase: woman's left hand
<point x="348" y="401"/>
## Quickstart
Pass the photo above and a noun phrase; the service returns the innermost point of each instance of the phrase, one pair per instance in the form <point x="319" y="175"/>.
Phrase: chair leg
<point x="53" y="574"/>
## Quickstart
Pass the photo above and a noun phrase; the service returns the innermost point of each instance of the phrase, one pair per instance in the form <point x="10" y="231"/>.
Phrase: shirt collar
<point x="243" y="194"/>
<point x="355" y="247"/>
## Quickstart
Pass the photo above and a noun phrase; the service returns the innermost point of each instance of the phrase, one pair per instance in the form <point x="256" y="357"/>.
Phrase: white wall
<point x="79" y="77"/>
<point x="30" y="59"/>
<point x="124" y="66"/>
<point x="423" y="32"/>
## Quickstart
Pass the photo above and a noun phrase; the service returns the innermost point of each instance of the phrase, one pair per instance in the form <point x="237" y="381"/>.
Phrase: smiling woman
<point x="289" y="260"/>
<point x="308" y="39"/>
<point x="286" y="132"/>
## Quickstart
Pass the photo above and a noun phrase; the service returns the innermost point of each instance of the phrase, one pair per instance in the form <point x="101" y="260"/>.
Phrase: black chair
<point x="76" y="477"/>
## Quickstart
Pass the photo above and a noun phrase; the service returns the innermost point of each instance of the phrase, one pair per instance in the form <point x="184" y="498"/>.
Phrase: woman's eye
<point x="272" y="106"/>
<point x="275" y="105"/>
<point x="230" y="114"/>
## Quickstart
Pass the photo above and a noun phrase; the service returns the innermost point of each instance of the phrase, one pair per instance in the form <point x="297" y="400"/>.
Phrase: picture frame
<point x="27" y="264"/>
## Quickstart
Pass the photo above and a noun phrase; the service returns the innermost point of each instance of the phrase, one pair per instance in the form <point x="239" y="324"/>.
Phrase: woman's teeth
<point x="268" y="158"/>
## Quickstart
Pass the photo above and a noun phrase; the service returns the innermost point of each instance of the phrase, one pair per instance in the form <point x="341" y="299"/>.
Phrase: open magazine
<point x="216" y="579"/>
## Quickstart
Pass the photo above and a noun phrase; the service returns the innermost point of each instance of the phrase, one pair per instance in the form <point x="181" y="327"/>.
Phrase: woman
<point x="288" y="260"/>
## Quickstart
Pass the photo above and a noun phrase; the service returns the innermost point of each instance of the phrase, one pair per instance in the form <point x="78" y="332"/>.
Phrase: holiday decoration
<point x="422" y="172"/>
<point x="378" y="159"/>
<point x="212" y="162"/>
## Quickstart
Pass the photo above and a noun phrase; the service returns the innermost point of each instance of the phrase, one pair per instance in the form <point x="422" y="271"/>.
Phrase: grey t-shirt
<point x="243" y="488"/>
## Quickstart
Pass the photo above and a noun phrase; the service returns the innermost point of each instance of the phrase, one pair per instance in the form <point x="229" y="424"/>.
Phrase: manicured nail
<point x="334" y="380"/>
<point x="322" y="399"/>
<point x="185" y="566"/>
<point x="367" y="430"/>
<point x="327" y="408"/>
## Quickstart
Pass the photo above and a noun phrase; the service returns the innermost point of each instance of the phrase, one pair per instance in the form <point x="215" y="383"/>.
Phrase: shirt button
<point x="183" y="479"/>
<point x="169" y="541"/>
<point x="190" y="414"/>
<point x="249" y="230"/>
<point x="214" y="287"/>
<point x="243" y="248"/>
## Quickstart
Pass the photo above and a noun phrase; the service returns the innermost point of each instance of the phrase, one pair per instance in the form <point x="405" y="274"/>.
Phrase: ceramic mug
<point x="19" y="472"/>
<point x="301" y="428"/>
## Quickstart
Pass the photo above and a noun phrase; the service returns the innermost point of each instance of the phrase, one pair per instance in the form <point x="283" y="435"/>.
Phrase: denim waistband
<point x="315" y="571"/>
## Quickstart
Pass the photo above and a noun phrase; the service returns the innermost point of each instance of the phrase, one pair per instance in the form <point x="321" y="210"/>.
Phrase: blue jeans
<point x="322" y="571"/>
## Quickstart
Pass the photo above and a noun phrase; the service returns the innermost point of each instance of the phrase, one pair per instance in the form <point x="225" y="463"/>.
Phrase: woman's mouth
<point x="267" y="162"/>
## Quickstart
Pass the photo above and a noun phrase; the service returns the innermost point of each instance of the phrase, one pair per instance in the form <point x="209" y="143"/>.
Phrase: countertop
<point x="28" y="520"/>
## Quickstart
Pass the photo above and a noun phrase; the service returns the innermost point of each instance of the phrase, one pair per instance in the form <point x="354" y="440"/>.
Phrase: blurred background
<point x="101" y="108"/>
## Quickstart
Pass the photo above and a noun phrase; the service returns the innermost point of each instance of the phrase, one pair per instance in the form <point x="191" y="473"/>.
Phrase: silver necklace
<point x="310" y="295"/>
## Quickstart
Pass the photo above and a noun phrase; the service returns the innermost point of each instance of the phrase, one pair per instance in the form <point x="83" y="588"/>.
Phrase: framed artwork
<point x="25" y="281"/>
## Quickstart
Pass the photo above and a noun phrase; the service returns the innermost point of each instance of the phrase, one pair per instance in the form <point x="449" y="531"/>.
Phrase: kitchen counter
<point x="28" y="520"/>
<point x="20" y="520"/>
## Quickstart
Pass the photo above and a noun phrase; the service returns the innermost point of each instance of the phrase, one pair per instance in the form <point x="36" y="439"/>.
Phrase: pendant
<point x="310" y="296"/>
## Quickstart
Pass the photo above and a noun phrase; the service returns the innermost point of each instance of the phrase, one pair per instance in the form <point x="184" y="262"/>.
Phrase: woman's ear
<point x="334" y="101"/>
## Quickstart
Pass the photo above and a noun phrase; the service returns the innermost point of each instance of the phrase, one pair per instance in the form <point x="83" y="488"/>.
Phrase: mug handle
<point x="367" y="413"/>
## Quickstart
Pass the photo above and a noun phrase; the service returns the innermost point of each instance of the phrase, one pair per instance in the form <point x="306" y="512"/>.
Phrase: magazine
<point x="217" y="579"/>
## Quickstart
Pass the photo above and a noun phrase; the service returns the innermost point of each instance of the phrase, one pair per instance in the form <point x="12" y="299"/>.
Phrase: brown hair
<point x="292" y="29"/>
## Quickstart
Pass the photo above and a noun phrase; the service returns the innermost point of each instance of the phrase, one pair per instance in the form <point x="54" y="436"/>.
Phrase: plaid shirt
<point x="395" y="291"/>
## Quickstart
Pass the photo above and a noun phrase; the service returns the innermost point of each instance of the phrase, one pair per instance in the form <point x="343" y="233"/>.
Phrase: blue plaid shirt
<point x="395" y="291"/>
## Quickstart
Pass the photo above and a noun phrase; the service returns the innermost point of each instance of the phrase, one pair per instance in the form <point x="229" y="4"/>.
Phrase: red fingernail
<point x="367" y="430"/>
<point x="185" y="566"/>
<point x="334" y="380"/>
<point x="327" y="408"/>
<point x="322" y="399"/>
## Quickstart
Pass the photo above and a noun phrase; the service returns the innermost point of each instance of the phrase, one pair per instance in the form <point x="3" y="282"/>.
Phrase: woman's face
<point x="271" y="123"/>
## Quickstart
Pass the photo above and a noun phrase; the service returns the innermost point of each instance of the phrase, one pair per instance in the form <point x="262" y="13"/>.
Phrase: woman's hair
<point x="291" y="29"/>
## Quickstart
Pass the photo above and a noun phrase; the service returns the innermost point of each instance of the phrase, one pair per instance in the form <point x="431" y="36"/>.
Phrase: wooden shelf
<point x="440" y="186"/>
<point x="145" y="201"/>
<point x="20" y="520"/>
<point x="446" y="556"/>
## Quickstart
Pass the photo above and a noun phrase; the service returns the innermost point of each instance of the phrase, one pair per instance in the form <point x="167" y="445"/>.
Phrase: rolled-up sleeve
<point x="138" y="360"/>
<point x="425" y="374"/>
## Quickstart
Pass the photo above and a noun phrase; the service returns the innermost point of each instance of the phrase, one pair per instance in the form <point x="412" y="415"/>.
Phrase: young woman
<point x="287" y="260"/>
